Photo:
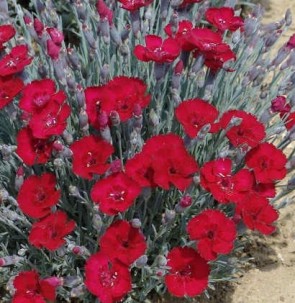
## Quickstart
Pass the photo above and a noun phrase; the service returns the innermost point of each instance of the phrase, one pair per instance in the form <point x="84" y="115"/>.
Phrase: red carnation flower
<point x="214" y="231"/>
<point x="182" y="36"/>
<point x="29" y="288"/>
<point x="90" y="155"/>
<point x="56" y="36"/>
<point x="129" y="242"/>
<point x="15" y="61"/>
<point x="249" y="132"/>
<point x="223" y="18"/>
<point x="32" y="150"/>
<point x="51" y="120"/>
<point x="37" y="195"/>
<point x="206" y="40"/>
<point x="122" y="94"/>
<point x="280" y="105"/>
<point x="7" y="32"/>
<point x="267" y="162"/>
<point x="188" y="273"/>
<point x="193" y="114"/>
<point x="38" y="94"/>
<point x="104" y="12"/>
<point x="108" y="280"/>
<point x="289" y="120"/>
<point x="115" y="193"/>
<point x="9" y="88"/>
<point x="38" y="27"/>
<point x="217" y="178"/>
<point x="133" y="5"/>
<point x="258" y="214"/>
<point x="50" y="232"/>
<point x="157" y="50"/>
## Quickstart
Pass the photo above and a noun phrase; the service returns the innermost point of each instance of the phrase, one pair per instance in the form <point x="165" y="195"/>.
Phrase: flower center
<point x="186" y="272"/>
<point x="118" y="196"/>
<point x="50" y="121"/>
<point x="40" y="100"/>
<point x="107" y="279"/>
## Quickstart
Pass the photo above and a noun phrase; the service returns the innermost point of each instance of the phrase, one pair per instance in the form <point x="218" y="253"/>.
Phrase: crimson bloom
<point x="258" y="214"/>
<point x="29" y="288"/>
<point x="133" y="5"/>
<point x="33" y="150"/>
<point x="223" y="18"/>
<point x="37" y="195"/>
<point x="37" y="94"/>
<point x="157" y="50"/>
<point x="115" y="193"/>
<point x="289" y="120"/>
<point x="90" y="155"/>
<point x="108" y="280"/>
<point x="7" y="32"/>
<point x="122" y="94"/>
<point x="182" y="35"/>
<point x="205" y="39"/>
<point x="129" y="242"/>
<point x="9" y="88"/>
<point x="214" y="232"/>
<point x="280" y="105"/>
<point x="249" y="132"/>
<point x="15" y="61"/>
<point x="268" y="163"/>
<point x="217" y="178"/>
<point x="50" y="231"/>
<point x="188" y="273"/>
<point x="193" y="114"/>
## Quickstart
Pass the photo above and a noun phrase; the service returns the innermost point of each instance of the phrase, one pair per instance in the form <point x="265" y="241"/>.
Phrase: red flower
<point x="214" y="231"/>
<point x="7" y="32"/>
<point x="157" y="50"/>
<point x="129" y="242"/>
<point x="160" y="164"/>
<point x="32" y="150"/>
<point x="38" y="27"/>
<point x="50" y="232"/>
<point x="37" y="195"/>
<point x="289" y="120"/>
<point x="193" y="114"/>
<point x="249" y="132"/>
<point x="217" y="178"/>
<point x="258" y="214"/>
<point x="56" y="36"/>
<point x="182" y="36"/>
<point x="115" y="193"/>
<point x="15" y="61"/>
<point x="30" y="289"/>
<point x="122" y="94"/>
<point x="267" y="162"/>
<point x="132" y="5"/>
<point x="51" y="120"/>
<point x="280" y="105"/>
<point x="188" y="273"/>
<point x="104" y="12"/>
<point x="224" y="18"/>
<point x="9" y="88"/>
<point x="109" y="280"/>
<point x="38" y="94"/>
<point x="53" y="50"/>
<point x="90" y="155"/>
<point x="206" y="40"/>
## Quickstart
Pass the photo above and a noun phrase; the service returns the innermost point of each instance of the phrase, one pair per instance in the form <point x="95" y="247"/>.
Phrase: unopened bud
<point x="89" y="36"/>
<point x="97" y="222"/>
<point x="185" y="201"/>
<point x="136" y="223"/>
<point x="154" y="118"/>
<point x="72" y="281"/>
<point x="161" y="260"/>
<point x="58" y="163"/>
<point x="288" y="17"/>
<point x="115" y="35"/>
<point x="168" y="216"/>
<point x="83" y="118"/>
<point x="135" y="22"/>
<point x="77" y="292"/>
<point x="141" y="261"/>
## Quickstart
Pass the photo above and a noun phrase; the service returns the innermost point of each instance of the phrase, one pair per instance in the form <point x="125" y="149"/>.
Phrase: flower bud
<point x="115" y="118"/>
<point x="73" y="58"/>
<point x="56" y="36"/>
<point x="77" y="292"/>
<point x="3" y="195"/>
<point x="81" y="10"/>
<point x="71" y="281"/>
<point x="97" y="222"/>
<point x="168" y="216"/>
<point x="83" y="118"/>
<point x="10" y="260"/>
<point x="161" y="260"/>
<point x="105" y="30"/>
<point x="185" y="201"/>
<point x="135" y="22"/>
<point x="141" y="261"/>
<point x="154" y="119"/>
<point x="67" y="137"/>
<point x="136" y="223"/>
<point x="115" y="35"/>
<point x="105" y="73"/>
<point x="89" y="36"/>
<point x="54" y="281"/>
<point x="116" y="166"/>
<point x="58" y="163"/>
<point x="288" y="17"/>
<point x="22" y="252"/>
<point x="291" y="184"/>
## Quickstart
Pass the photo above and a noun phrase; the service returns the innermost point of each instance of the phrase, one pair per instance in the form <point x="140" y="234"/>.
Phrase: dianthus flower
<point x="133" y="5"/>
<point x="223" y="18"/>
<point x="122" y="94"/>
<point x="115" y="193"/>
<point x="108" y="280"/>
<point x="280" y="105"/>
<point x="214" y="232"/>
<point x="90" y="155"/>
<point x="157" y="50"/>
<point x="15" y="61"/>
<point x="193" y="114"/>
<point x="9" y="88"/>
<point x="33" y="150"/>
<point x="289" y="120"/>
<point x="217" y="178"/>
<point x="29" y="288"/>
<point x="128" y="240"/>
<point x="188" y="273"/>
<point x="249" y="132"/>
<point x="7" y="32"/>
<point x="267" y="162"/>
<point x="50" y="231"/>
<point x="37" y="195"/>
<point x="258" y="214"/>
